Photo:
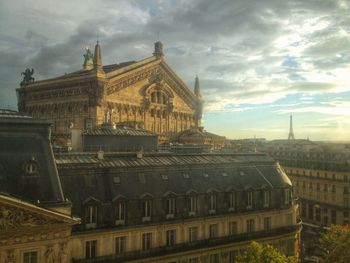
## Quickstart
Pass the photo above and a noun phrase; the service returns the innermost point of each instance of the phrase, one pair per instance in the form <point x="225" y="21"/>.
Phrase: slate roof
<point x="198" y="133"/>
<point x="138" y="176"/>
<point x="24" y="140"/>
<point x="119" y="131"/>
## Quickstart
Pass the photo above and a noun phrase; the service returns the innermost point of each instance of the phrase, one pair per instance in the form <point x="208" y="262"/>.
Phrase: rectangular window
<point x="170" y="207"/>
<point x="146" y="209"/>
<point x="192" y="234"/>
<point x="232" y="202"/>
<point x="267" y="223"/>
<point x="146" y="241"/>
<point x="192" y="205"/>
<point x="346" y="190"/>
<point x="90" y="249"/>
<point x="249" y="200"/>
<point x="170" y="237"/>
<point x="213" y="231"/>
<point x="325" y="188"/>
<point x="250" y="225"/>
<point x="30" y="257"/>
<point x="333" y="216"/>
<point x="317" y="214"/>
<point x="325" y="220"/>
<point x="287" y="195"/>
<point x="311" y="212"/>
<point x="214" y="258"/>
<point x="212" y="203"/>
<point x="266" y="199"/>
<point x="233" y="256"/>
<point x="232" y="228"/>
<point x="333" y="189"/>
<point x="346" y="218"/>
<point x="120" y="245"/>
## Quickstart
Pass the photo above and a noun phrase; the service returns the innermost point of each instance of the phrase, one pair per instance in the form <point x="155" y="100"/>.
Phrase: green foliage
<point x="261" y="253"/>
<point x="335" y="245"/>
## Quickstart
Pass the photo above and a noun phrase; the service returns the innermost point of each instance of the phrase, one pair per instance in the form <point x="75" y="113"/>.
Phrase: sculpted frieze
<point x="13" y="218"/>
<point x="51" y="94"/>
<point x="131" y="79"/>
<point x="155" y="75"/>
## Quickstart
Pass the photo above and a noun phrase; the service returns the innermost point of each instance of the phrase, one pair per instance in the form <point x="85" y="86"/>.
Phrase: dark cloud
<point x="238" y="48"/>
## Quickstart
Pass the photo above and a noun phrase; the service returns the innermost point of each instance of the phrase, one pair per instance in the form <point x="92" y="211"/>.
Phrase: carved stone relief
<point x="15" y="218"/>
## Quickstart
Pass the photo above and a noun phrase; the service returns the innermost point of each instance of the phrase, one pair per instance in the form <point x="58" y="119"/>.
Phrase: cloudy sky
<point x="258" y="61"/>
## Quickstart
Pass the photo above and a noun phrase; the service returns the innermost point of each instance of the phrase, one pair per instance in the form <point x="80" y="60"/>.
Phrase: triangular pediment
<point x="150" y="70"/>
<point x="16" y="214"/>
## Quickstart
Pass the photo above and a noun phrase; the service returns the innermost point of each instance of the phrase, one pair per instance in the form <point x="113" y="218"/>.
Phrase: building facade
<point x="157" y="207"/>
<point x="320" y="176"/>
<point x="146" y="93"/>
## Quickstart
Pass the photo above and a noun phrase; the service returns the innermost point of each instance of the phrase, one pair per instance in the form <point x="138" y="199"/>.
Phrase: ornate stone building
<point x="145" y="93"/>
<point x="320" y="173"/>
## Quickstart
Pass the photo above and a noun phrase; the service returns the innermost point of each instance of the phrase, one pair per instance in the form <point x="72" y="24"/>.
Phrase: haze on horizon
<point x="257" y="61"/>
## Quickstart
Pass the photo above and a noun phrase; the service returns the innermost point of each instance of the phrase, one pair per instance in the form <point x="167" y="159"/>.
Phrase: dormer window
<point x="249" y="200"/>
<point x="212" y="204"/>
<point x="146" y="210"/>
<point x="91" y="216"/>
<point x="266" y="199"/>
<point x="232" y="202"/>
<point x="192" y="203"/>
<point x="170" y="208"/>
<point x="120" y="210"/>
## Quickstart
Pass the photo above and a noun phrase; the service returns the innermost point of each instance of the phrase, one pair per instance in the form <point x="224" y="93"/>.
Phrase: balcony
<point x="183" y="247"/>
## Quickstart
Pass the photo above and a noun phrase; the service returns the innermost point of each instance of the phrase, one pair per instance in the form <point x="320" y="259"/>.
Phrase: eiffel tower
<point x="291" y="133"/>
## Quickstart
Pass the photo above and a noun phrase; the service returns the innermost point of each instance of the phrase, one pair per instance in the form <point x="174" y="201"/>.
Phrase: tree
<point x="335" y="244"/>
<point x="261" y="253"/>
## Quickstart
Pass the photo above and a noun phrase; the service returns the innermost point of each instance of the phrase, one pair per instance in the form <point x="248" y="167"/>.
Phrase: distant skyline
<point x="257" y="61"/>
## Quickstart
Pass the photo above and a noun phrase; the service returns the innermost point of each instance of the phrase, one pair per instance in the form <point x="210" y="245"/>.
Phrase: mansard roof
<point x="27" y="167"/>
<point x="84" y="175"/>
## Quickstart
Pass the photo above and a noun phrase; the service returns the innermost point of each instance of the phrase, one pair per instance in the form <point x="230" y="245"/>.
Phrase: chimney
<point x="100" y="154"/>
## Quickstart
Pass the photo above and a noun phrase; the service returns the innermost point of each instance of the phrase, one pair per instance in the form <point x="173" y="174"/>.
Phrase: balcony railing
<point x="160" y="251"/>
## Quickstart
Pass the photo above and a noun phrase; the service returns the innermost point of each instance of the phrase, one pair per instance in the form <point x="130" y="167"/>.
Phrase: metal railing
<point x="199" y="244"/>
